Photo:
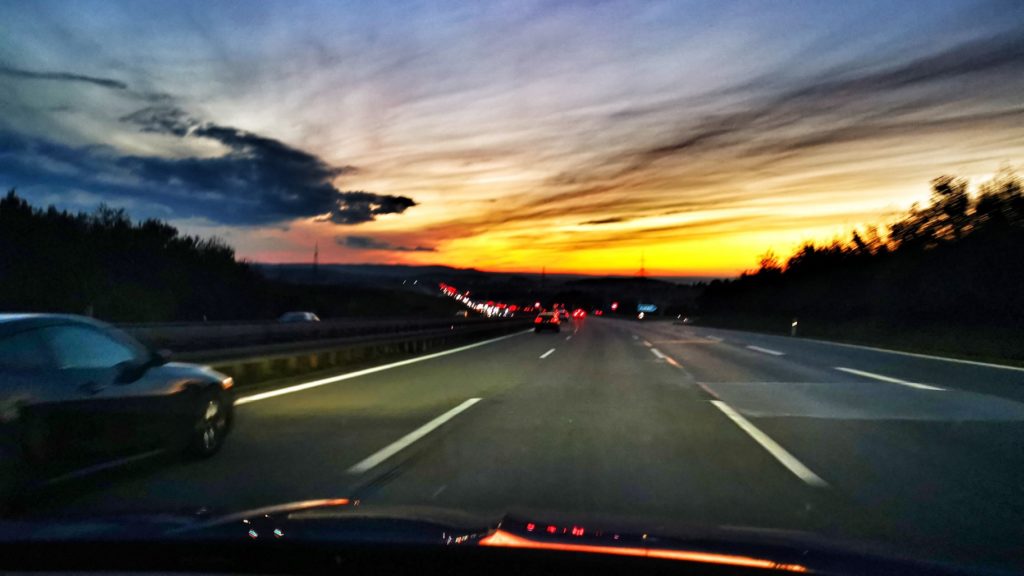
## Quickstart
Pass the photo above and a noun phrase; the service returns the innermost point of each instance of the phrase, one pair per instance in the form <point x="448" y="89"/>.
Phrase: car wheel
<point x="211" y="426"/>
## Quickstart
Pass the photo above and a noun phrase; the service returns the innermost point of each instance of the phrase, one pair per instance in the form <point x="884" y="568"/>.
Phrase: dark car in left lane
<point x="78" y="395"/>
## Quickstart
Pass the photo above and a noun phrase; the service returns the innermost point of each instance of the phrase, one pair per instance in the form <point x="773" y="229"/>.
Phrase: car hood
<point x="345" y="522"/>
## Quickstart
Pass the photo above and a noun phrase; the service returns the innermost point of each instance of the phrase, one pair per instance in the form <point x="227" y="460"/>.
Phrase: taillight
<point x="538" y="320"/>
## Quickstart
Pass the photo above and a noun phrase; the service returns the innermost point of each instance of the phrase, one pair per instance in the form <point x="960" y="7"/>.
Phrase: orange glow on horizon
<point x="505" y="539"/>
<point x="516" y="237"/>
<point x="718" y="256"/>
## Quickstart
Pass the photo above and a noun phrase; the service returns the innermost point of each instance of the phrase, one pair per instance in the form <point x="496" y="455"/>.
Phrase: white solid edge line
<point x="405" y="441"/>
<point x="917" y="355"/>
<point x="358" y="373"/>
<point x="648" y="344"/>
<point x="714" y="338"/>
<point x="657" y="353"/>
<point x="785" y="458"/>
<point x="546" y="354"/>
<point x="888" y="379"/>
<point x="766" y="351"/>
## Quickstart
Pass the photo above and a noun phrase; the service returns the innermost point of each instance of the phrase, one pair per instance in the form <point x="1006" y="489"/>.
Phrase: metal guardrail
<point x="263" y="351"/>
<point x="189" y="337"/>
<point x="263" y="364"/>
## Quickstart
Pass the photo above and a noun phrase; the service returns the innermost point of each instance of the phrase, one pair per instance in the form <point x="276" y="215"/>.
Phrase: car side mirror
<point x="161" y="357"/>
<point x="129" y="372"/>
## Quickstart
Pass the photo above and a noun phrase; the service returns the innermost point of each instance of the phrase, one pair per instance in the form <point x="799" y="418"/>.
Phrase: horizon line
<point x="532" y="273"/>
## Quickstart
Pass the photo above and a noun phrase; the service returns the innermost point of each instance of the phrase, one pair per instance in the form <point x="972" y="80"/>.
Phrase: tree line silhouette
<point x="103" y="264"/>
<point x="947" y="275"/>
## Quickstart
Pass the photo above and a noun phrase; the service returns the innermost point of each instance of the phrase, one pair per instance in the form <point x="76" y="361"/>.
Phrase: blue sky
<point x="508" y="135"/>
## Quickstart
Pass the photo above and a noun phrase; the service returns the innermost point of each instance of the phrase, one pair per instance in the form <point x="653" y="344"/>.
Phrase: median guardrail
<point x="196" y="336"/>
<point x="260" y="364"/>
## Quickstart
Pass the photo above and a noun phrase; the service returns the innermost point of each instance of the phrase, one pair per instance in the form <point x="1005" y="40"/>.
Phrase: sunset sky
<point x="509" y="135"/>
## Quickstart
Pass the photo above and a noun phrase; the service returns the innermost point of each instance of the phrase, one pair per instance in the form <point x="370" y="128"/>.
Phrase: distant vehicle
<point x="79" y="395"/>
<point x="547" y="321"/>
<point x="563" y="314"/>
<point x="578" y="313"/>
<point x="598" y="312"/>
<point x="289" y="317"/>
<point x="462" y="313"/>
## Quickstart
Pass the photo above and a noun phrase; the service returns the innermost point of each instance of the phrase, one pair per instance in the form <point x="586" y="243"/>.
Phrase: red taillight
<point x="538" y="320"/>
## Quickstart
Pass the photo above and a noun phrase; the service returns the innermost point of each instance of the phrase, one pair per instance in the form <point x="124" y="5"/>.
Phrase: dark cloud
<point x="258" y="180"/>
<point x="162" y="120"/>
<point x="278" y="181"/>
<point x="63" y="76"/>
<point x="358" y="207"/>
<point x="370" y="243"/>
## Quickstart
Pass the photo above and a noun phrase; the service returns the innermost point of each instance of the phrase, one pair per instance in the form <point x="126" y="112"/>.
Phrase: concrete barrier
<point x="257" y="366"/>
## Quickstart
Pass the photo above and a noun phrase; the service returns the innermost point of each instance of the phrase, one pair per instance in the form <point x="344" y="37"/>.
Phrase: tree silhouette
<point x="952" y="267"/>
<point x="102" y="263"/>
<point x="105" y="265"/>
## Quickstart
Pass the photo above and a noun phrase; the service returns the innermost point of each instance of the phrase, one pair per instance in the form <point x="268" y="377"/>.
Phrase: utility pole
<point x="316" y="260"/>
<point x="642" y="275"/>
<point x="541" y="294"/>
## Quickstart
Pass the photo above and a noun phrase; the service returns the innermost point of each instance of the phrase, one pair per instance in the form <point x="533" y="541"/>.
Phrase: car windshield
<point x="726" y="268"/>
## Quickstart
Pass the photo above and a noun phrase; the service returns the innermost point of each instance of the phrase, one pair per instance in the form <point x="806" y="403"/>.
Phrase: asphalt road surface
<point x="651" y="421"/>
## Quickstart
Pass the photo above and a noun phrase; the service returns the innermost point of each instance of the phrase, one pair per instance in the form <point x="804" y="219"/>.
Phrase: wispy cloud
<point x="845" y="105"/>
<point x="706" y="163"/>
<point x="599" y="221"/>
<point x="84" y="79"/>
<point x="62" y="77"/>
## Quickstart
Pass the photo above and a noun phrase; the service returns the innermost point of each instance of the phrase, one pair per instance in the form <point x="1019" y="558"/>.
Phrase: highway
<point x="653" y="421"/>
